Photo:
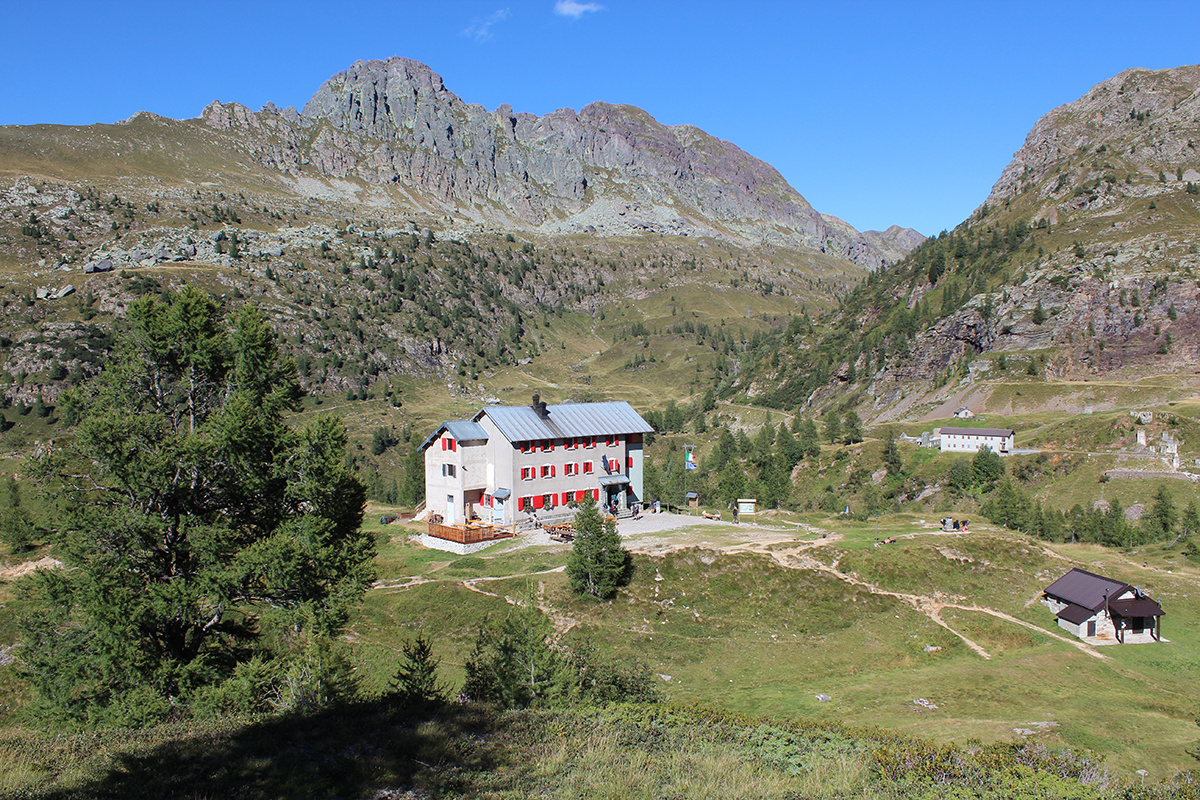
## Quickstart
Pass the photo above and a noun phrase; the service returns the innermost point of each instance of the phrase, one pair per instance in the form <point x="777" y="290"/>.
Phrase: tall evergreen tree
<point x="892" y="459"/>
<point x="809" y="439"/>
<point x="852" y="428"/>
<point x="599" y="564"/>
<point x="833" y="427"/>
<point x="199" y="529"/>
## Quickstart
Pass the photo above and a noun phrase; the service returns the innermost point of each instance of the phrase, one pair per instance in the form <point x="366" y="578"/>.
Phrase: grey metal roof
<point x="613" y="480"/>
<point x="502" y="494"/>
<point x="462" y="430"/>
<point x="1086" y="589"/>
<point x="1006" y="432"/>
<point x="523" y="424"/>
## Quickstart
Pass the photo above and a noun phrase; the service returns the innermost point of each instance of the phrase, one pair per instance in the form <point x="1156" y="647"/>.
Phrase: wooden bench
<point x="563" y="532"/>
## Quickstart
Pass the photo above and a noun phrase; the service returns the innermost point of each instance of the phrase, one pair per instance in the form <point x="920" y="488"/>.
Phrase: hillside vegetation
<point x="1067" y="301"/>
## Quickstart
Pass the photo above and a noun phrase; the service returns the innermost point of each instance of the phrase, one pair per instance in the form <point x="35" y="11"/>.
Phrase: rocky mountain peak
<point x="1144" y="121"/>
<point x="608" y="169"/>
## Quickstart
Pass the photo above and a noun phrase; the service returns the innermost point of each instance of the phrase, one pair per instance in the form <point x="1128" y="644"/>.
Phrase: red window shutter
<point x="553" y="500"/>
<point x="551" y="470"/>
<point x="538" y="502"/>
<point x="443" y="444"/>
<point x="454" y="445"/>
<point x="629" y="462"/>
<point x="629" y="490"/>
<point x="580" y="496"/>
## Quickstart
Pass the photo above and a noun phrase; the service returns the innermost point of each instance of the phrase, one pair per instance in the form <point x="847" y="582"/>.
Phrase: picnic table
<point x="562" y="532"/>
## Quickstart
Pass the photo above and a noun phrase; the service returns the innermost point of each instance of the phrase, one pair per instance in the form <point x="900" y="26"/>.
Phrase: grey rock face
<point x="1151" y="118"/>
<point x="609" y="168"/>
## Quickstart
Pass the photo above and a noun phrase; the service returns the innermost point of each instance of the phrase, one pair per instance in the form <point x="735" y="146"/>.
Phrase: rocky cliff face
<point x="607" y="169"/>
<point x="1139" y="124"/>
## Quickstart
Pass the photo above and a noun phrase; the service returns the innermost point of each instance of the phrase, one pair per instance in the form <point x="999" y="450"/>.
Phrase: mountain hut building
<point x="1094" y="607"/>
<point x="510" y="465"/>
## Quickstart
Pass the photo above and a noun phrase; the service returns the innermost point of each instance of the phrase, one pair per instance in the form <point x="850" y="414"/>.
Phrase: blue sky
<point x="877" y="112"/>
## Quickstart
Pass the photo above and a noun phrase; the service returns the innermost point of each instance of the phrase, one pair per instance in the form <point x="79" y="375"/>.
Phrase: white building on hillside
<point x="509" y="462"/>
<point x="972" y="440"/>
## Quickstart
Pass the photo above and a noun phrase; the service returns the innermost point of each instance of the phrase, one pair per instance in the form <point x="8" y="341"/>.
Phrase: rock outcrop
<point x="607" y="169"/>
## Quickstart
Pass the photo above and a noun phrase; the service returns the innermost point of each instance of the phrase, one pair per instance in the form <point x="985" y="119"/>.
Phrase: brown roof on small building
<point x="1076" y="614"/>
<point x="1086" y="589"/>
<point x="1138" y="607"/>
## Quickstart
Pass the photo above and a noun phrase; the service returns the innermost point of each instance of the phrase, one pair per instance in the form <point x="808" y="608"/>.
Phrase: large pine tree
<point x="200" y="532"/>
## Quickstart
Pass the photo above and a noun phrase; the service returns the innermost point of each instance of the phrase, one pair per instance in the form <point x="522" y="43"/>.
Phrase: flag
<point x="604" y="463"/>
<point x="689" y="460"/>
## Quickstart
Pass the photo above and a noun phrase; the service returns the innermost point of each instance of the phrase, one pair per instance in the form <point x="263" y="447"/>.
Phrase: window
<point x="452" y="445"/>
<point x="589" y="467"/>
<point x="548" y="500"/>
<point x="609" y="441"/>
<point x="448" y="470"/>
<point x="526" y="503"/>
<point x="526" y="473"/>
<point x="547" y="470"/>
<point x="591" y="442"/>
<point x="525" y="446"/>
<point x="548" y="446"/>
<point x="569" y="469"/>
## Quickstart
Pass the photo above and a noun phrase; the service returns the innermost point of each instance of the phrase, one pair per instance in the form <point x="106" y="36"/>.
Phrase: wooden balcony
<point x="471" y="533"/>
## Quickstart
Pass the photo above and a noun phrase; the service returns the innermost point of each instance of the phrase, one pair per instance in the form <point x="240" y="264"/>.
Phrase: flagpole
<point x="688" y="463"/>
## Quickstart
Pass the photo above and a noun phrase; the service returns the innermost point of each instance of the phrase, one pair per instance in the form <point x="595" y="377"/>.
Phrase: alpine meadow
<point x="796" y="510"/>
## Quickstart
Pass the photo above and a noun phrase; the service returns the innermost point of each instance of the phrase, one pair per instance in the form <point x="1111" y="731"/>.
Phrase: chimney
<point x="540" y="406"/>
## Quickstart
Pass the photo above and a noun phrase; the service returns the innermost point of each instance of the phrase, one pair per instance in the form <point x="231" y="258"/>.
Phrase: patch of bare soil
<point x="14" y="571"/>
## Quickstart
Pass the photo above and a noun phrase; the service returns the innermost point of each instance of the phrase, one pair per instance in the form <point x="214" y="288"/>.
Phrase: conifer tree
<point x="200" y="531"/>
<point x="416" y="684"/>
<point x="599" y="564"/>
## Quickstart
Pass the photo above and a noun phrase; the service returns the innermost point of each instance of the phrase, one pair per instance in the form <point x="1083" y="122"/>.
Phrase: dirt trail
<point x="932" y="607"/>
<point x="766" y="542"/>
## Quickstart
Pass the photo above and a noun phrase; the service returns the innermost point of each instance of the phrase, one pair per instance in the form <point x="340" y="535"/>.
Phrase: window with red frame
<point x="589" y="467"/>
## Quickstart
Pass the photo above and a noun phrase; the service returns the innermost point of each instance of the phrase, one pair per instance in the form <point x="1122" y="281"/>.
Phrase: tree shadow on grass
<point x="357" y="750"/>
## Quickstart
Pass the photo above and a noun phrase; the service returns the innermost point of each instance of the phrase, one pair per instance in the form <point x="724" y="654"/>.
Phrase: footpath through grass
<point x="758" y="632"/>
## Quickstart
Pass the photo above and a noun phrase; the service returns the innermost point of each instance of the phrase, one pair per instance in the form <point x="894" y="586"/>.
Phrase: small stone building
<point x="1094" y="607"/>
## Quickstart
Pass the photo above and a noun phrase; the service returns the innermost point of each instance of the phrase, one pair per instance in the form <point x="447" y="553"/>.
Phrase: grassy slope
<point x="740" y="632"/>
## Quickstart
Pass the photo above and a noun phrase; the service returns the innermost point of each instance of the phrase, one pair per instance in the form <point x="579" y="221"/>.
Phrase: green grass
<point x="741" y="633"/>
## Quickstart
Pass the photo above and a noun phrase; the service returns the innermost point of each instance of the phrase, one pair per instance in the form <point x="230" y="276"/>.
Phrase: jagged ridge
<point x="610" y="169"/>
